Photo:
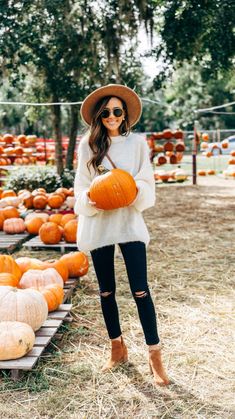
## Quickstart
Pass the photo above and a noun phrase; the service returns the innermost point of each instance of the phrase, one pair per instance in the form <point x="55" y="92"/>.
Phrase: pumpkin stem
<point x="102" y="170"/>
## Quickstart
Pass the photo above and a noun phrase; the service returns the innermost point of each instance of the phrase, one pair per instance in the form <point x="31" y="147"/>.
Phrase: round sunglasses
<point x="115" y="111"/>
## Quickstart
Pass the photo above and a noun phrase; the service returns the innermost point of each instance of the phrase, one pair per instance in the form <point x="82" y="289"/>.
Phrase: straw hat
<point x="132" y="100"/>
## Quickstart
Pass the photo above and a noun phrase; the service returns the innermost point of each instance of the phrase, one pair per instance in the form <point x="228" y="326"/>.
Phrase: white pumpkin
<point x="70" y="201"/>
<point x="180" y="175"/>
<point x="16" y="339"/>
<point x="35" y="278"/>
<point x="12" y="201"/>
<point x="27" y="306"/>
<point x="35" y="214"/>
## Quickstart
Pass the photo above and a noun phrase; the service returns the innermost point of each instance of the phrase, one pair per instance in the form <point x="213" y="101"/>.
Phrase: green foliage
<point x="67" y="178"/>
<point x="187" y="91"/>
<point x="33" y="178"/>
<point x="199" y="31"/>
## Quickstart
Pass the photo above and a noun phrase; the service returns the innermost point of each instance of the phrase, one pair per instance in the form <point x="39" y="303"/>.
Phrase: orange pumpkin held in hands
<point x="115" y="188"/>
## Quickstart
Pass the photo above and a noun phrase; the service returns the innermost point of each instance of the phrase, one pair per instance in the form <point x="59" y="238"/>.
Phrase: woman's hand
<point x="93" y="203"/>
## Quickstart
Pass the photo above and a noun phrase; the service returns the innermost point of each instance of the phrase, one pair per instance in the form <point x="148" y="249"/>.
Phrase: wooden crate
<point x="9" y="242"/>
<point x="43" y="337"/>
<point x="36" y="243"/>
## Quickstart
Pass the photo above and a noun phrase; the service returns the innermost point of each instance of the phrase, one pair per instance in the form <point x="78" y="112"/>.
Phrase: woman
<point x="110" y="112"/>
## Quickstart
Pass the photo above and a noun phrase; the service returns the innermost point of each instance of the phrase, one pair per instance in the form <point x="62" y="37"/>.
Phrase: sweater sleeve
<point x="82" y="183"/>
<point x="145" y="181"/>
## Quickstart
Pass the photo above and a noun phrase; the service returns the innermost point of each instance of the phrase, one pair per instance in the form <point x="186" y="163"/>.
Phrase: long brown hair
<point x="99" y="140"/>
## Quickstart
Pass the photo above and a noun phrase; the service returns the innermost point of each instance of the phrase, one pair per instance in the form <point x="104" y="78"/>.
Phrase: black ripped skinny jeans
<point x="134" y="254"/>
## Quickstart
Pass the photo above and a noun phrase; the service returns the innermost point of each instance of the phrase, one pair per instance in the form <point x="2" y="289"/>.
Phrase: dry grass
<point x="191" y="269"/>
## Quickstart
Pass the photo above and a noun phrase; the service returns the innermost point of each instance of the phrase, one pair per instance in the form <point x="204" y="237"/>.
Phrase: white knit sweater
<point x="98" y="228"/>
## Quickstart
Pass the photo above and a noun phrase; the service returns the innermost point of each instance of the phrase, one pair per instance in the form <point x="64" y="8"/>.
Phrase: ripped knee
<point x="140" y="294"/>
<point x="106" y="293"/>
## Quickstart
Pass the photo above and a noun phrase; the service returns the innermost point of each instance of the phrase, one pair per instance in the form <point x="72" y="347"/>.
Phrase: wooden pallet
<point x="69" y="288"/>
<point x="43" y="337"/>
<point x="44" y="334"/>
<point x="9" y="242"/>
<point x="36" y="243"/>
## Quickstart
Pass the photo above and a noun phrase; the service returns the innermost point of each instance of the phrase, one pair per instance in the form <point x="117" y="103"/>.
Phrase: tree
<point x="187" y="91"/>
<point x="74" y="46"/>
<point x="201" y="32"/>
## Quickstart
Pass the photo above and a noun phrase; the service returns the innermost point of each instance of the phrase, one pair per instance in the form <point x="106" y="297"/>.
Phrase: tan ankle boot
<point x="157" y="369"/>
<point x="118" y="354"/>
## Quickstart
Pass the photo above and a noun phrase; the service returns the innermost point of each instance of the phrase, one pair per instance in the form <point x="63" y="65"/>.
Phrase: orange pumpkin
<point x="8" y="279"/>
<point x="168" y="146"/>
<point x="55" y="201"/>
<point x="71" y="191"/>
<point x="114" y="189"/>
<point x="50" y="233"/>
<point x="8" y="139"/>
<point x="201" y="172"/>
<point x="2" y="218"/>
<point x="225" y="144"/>
<point x="167" y="133"/>
<point x="33" y="225"/>
<point x="67" y="217"/>
<point x="14" y="226"/>
<point x="205" y="136"/>
<point x="173" y="159"/>
<point x="70" y="231"/>
<point x="36" y="278"/>
<point x="180" y="147"/>
<point x="178" y="134"/>
<point x="40" y="201"/>
<point x="55" y="218"/>
<point x="28" y="200"/>
<point x="179" y="156"/>
<point x="22" y="139"/>
<point x="64" y="191"/>
<point x="8" y="192"/>
<point x="77" y="263"/>
<point x="211" y="172"/>
<point x="53" y="294"/>
<point x="10" y="212"/>
<point x="19" y="150"/>
<point x="231" y="161"/>
<point x="161" y="160"/>
<point x="8" y="265"/>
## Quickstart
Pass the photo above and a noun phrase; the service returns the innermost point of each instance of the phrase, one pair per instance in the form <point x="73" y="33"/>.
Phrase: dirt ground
<point x="191" y="271"/>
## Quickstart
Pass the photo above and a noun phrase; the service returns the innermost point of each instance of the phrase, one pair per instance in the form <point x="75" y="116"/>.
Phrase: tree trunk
<point x="56" y="112"/>
<point x="72" y="137"/>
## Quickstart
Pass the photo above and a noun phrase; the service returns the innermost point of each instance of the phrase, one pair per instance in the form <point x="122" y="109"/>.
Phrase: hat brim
<point x="132" y="100"/>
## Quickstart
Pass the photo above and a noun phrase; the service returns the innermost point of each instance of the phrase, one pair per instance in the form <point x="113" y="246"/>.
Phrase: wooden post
<point x="194" y="153"/>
